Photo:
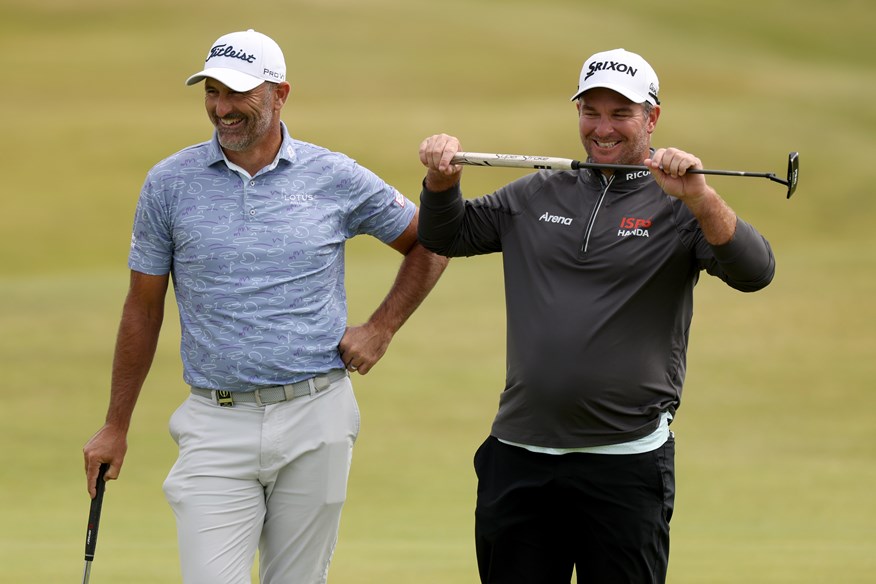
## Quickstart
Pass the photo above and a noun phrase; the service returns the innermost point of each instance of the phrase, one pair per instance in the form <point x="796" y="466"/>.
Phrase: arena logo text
<point x="548" y="218"/>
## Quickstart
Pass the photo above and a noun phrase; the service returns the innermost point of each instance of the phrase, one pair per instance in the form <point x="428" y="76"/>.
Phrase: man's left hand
<point x="362" y="347"/>
<point x="670" y="169"/>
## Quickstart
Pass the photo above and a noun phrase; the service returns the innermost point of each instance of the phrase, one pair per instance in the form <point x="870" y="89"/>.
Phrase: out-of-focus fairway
<point x="777" y="434"/>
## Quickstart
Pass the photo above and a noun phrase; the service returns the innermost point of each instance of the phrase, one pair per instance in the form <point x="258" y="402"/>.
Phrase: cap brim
<point x="229" y="77"/>
<point x="633" y="97"/>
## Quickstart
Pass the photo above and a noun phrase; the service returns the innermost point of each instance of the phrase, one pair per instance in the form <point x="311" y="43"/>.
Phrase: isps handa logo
<point x="634" y="227"/>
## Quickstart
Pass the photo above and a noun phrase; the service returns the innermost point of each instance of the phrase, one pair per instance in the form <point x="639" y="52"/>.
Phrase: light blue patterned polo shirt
<point x="258" y="264"/>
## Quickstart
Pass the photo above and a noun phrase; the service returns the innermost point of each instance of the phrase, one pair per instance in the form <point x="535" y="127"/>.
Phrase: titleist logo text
<point x="230" y="52"/>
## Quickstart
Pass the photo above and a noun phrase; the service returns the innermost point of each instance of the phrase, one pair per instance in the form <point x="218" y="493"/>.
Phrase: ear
<point x="281" y="94"/>
<point x="652" y="118"/>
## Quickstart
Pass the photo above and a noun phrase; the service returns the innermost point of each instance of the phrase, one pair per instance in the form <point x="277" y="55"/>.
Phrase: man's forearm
<point x="135" y="349"/>
<point x="717" y="220"/>
<point x="419" y="272"/>
<point x="441" y="215"/>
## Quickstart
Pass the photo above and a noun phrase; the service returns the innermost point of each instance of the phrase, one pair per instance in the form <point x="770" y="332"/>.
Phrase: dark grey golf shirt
<point x="599" y="278"/>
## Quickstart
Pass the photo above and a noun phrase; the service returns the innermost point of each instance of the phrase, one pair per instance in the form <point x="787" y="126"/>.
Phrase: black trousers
<point x="538" y="515"/>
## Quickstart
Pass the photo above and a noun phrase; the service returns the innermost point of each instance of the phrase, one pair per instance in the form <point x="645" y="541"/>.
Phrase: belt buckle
<point x="224" y="398"/>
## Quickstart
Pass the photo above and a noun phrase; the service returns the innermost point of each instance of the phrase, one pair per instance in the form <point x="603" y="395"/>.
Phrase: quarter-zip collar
<point x="622" y="181"/>
<point x="609" y="187"/>
<point x="604" y="183"/>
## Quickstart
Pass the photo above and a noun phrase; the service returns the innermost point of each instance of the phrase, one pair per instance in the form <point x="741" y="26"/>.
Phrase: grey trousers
<point x="272" y="478"/>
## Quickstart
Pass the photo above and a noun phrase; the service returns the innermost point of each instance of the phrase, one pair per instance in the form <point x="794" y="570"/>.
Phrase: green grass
<point x="777" y="434"/>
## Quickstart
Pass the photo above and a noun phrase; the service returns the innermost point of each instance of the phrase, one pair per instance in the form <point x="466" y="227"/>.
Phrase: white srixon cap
<point x="243" y="61"/>
<point x="621" y="71"/>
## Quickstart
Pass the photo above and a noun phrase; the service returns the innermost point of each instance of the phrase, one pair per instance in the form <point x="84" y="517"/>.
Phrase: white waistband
<point x="652" y="441"/>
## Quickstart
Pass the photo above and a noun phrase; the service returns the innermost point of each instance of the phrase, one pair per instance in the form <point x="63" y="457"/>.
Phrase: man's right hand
<point x="436" y="152"/>
<point x="108" y="445"/>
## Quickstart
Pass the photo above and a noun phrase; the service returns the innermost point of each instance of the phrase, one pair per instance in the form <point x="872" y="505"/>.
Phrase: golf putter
<point x="94" y="522"/>
<point x="551" y="162"/>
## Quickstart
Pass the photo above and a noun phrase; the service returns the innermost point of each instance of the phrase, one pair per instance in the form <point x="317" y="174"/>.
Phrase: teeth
<point x="606" y="144"/>
<point x="228" y="122"/>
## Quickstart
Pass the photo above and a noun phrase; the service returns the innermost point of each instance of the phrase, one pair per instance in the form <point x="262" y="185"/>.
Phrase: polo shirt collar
<point x="287" y="149"/>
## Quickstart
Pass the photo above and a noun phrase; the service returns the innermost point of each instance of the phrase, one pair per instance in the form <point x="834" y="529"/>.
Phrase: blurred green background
<point x="777" y="434"/>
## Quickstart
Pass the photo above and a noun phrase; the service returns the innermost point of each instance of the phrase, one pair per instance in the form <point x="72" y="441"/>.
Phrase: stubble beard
<point x="632" y="152"/>
<point x="254" y="128"/>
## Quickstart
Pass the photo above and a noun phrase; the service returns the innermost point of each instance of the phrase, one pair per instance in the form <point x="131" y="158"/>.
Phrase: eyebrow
<point x="621" y="109"/>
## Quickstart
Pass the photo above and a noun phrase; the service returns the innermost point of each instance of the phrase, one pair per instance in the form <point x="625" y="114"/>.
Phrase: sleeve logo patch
<point x="399" y="199"/>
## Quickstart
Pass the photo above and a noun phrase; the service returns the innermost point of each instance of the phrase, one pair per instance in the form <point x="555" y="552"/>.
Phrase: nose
<point x="604" y="126"/>
<point x="222" y="106"/>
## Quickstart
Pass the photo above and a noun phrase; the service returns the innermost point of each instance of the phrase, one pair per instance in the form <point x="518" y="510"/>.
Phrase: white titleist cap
<point x="243" y="61"/>
<point x="621" y="71"/>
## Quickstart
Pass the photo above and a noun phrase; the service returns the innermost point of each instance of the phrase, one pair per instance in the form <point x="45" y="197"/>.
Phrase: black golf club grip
<point x="94" y="514"/>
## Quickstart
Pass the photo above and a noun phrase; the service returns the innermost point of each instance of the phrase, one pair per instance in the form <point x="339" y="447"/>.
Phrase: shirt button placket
<point x="251" y="212"/>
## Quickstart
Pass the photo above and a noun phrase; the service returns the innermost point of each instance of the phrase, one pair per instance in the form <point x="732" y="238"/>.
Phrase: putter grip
<point x="94" y="514"/>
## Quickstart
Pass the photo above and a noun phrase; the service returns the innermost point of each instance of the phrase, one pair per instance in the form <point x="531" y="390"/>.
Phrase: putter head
<point x="793" y="172"/>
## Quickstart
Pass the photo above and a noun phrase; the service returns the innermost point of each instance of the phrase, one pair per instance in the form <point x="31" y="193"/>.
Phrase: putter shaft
<point x="550" y="162"/>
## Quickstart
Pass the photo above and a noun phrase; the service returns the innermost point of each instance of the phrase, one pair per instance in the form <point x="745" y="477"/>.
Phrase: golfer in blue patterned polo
<point x="251" y="227"/>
